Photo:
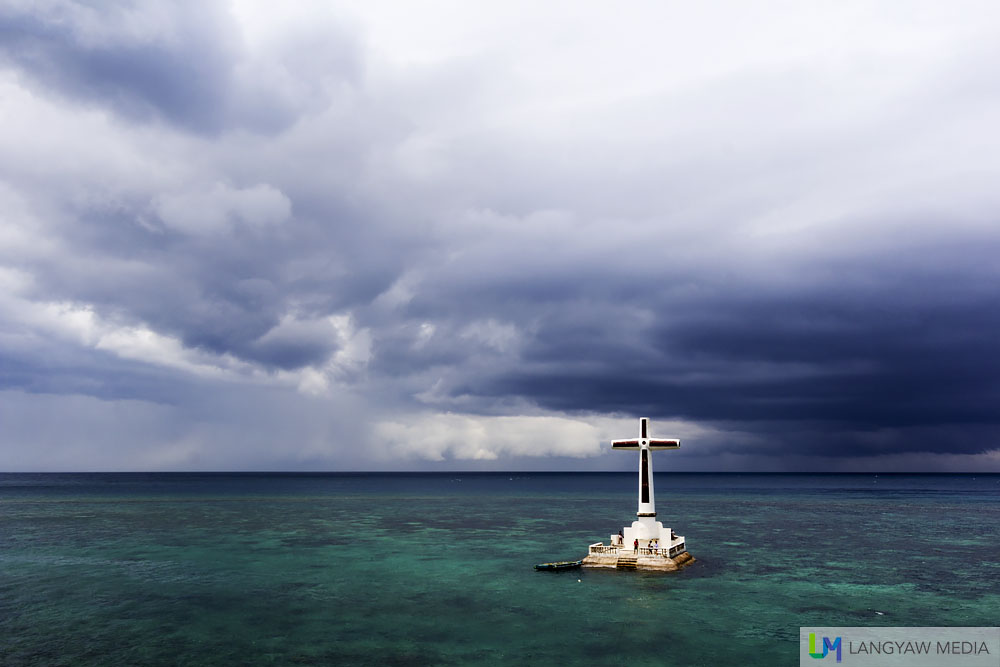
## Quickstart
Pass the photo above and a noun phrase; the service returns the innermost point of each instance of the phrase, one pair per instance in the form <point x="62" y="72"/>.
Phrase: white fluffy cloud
<point x="440" y="436"/>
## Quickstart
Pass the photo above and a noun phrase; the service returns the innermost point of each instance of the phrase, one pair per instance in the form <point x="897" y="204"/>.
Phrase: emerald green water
<point x="437" y="569"/>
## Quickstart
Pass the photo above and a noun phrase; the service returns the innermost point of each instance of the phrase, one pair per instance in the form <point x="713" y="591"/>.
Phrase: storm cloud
<point x="490" y="236"/>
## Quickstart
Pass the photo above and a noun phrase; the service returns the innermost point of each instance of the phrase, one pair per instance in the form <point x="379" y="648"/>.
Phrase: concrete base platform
<point x="630" y="561"/>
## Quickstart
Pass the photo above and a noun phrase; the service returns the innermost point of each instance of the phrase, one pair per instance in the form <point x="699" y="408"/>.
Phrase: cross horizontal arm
<point x="624" y="444"/>
<point x="660" y="443"/>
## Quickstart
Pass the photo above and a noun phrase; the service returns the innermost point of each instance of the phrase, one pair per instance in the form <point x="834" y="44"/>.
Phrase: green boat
<point x="561" y="565"/>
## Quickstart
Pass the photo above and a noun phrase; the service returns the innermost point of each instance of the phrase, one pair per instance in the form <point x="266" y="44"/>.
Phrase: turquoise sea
<point x="436" y="569"/>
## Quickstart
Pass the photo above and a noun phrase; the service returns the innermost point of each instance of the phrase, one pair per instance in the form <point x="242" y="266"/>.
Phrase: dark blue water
<point x="416" y="569"/>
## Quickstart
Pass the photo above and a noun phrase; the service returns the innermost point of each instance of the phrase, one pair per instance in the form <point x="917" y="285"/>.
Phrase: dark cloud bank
<point x="258" y="260"/>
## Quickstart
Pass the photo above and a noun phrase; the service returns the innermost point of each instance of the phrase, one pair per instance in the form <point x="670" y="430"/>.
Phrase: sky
<point x="489" y="236"/>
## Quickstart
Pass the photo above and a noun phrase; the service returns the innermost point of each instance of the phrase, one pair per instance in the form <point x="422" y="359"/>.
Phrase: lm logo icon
<point x="828" y="646"/>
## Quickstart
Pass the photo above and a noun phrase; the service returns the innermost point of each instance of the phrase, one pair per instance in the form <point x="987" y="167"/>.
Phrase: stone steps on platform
<point x="627" y="562"/>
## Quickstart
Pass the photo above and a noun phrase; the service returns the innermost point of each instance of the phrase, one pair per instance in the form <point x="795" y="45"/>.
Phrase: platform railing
<point x="600" y="548"/>
<point x="653" y="552"/>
